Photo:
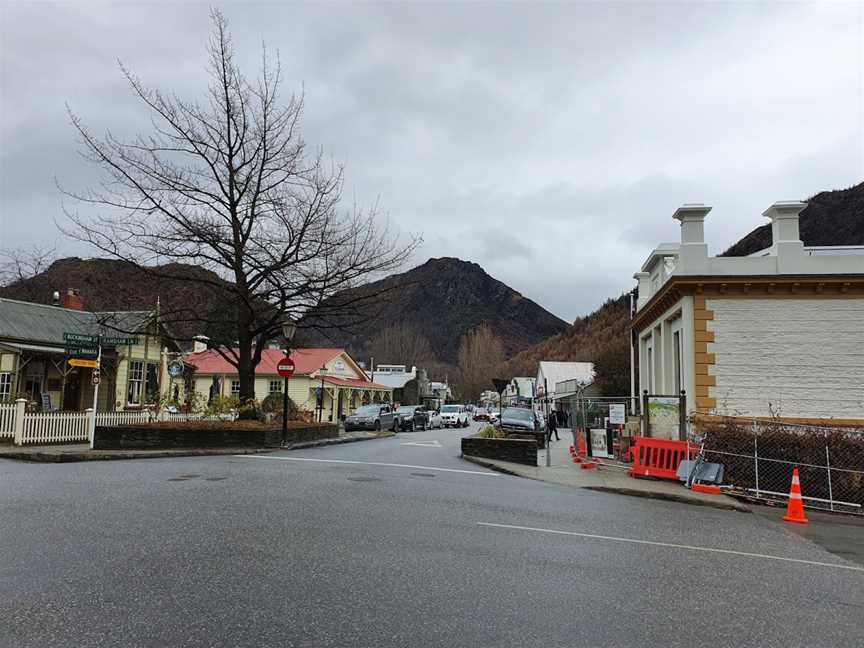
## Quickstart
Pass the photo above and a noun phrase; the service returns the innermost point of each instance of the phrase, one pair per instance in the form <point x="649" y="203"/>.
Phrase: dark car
<point x="519" y="420"/>
<point x="413" y="417"/>
<point x="371" y="417"/>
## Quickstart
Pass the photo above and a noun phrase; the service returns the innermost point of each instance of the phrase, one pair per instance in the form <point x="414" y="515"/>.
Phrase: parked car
<point x="454" y="416"/>
<point x="493" y="418"/>
<point x="435" y="420"/>
<point x="371" y="417"/>
<point x="481" y="414"/>
<point x="413" y="417"/>
<point x="519" y="420"/>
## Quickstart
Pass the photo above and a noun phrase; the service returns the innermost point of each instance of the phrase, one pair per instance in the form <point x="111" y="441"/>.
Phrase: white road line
<point x="672" y="545"/>
<point x="372" y="463"/>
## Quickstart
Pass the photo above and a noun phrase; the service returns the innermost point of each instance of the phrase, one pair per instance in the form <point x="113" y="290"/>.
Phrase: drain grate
<point x="422" y="474"/>
<point x="215" y="478"/>
<point x="364" y="479"/>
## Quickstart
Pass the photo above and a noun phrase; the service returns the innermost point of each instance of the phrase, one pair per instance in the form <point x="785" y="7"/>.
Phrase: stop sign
<point x="285" y="367"/>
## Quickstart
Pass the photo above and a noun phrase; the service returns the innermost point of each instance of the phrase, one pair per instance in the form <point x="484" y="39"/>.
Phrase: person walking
<point x="552" y="426"/>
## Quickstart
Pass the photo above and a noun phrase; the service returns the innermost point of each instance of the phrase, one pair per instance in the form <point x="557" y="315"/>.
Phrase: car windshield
<point x="449" y="409"/>
<point x="407" y="409"/>
<point x="367" y="410"/>
<point x="517" y="413"/>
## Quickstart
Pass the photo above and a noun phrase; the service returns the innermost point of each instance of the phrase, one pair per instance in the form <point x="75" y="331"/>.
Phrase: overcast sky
<point x="548" y="143"/>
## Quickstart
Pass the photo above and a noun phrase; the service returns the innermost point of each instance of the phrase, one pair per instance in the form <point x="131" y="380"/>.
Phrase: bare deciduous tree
<point x="19" y="264"/>
<point x="228" y="184"/>
<point x="401" y="344"/>
<point x="481" y="356"/>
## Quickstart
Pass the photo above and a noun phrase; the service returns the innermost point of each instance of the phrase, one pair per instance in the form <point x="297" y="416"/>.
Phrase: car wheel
<point x="377" y="426"/>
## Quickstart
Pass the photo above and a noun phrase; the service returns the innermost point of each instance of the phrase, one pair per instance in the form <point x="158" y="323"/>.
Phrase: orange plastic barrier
<point x="659" y="457"/>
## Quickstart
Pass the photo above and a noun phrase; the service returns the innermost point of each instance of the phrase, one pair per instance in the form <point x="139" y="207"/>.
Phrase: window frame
<point x="6" y="393"/>
<point x="278" y="384"/>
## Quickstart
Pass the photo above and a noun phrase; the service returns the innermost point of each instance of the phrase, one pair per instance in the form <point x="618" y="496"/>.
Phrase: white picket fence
<point x="56" y="427"/>
<point x="7" y="421"/>
<point x="28" y="428"/>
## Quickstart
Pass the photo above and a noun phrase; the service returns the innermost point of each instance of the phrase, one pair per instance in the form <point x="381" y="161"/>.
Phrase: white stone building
<point x="779" y="333"/>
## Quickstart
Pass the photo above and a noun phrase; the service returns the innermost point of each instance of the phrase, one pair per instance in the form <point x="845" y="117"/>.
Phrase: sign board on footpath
<point x="617" y="414"/>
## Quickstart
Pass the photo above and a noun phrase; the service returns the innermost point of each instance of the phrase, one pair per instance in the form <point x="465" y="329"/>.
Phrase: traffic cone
<point x="583" y="449"/>
<point x="795" y="508"/>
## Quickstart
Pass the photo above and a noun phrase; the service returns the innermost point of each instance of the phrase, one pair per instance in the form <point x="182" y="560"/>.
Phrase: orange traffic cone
<point x="583" y="449"/>
<point x="795" y="508"/>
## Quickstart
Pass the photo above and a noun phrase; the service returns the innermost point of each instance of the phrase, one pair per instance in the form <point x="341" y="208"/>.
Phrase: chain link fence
<point x="759" y="455"/>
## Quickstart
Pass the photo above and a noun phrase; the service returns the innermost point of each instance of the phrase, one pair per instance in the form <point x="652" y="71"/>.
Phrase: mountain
<point x="110" y="284"/>
<point x="830" y="218"/>
<point x="604" y="331"/>
<point x="442" y="300"/>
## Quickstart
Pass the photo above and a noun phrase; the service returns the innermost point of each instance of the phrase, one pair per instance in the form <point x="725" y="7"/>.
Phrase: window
<point x="235" y="386"/>
<point x="275" y="386"/>
<point x="136" y="382"/>
<point x="676" y="360"/>
<point x="650" y="370"/>
<point x="5" y="386"/>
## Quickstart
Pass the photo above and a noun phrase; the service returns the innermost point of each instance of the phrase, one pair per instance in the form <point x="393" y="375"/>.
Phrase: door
<point x="72" y="395"/>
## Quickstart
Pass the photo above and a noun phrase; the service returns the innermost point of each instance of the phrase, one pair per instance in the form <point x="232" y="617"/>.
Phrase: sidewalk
<point x="81" y="451"/>
<point x="611" y="479"/>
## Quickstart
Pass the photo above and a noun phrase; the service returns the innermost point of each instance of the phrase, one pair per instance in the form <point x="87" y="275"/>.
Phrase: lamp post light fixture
<point x="289" y="328"/>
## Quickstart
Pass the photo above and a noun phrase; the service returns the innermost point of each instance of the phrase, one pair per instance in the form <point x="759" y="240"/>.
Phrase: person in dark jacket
<point x="552" y="426"/>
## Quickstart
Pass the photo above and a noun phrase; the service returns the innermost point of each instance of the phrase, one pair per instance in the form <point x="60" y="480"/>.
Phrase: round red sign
<point x="285" y="367"/>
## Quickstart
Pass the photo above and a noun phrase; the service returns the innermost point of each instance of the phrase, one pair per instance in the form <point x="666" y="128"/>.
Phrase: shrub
<point x="222" y="405"/>
<point x="491" y="432"/>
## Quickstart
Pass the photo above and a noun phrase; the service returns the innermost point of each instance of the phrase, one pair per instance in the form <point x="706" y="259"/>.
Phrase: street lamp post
<point x="288" y="330"/>
<point x="321" y="400"/>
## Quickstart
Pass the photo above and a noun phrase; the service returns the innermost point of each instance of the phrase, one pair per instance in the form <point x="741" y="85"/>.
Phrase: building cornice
<point x="749" y="287"/>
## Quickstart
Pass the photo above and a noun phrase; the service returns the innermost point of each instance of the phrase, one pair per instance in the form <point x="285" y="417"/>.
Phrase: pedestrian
<point x="552" y="426"/>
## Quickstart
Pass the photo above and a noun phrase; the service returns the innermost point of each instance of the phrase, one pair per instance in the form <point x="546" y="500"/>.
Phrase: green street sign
<point x="119" y="341"/>
<point x="81" y="340"/>
<point x="78" y="352"/>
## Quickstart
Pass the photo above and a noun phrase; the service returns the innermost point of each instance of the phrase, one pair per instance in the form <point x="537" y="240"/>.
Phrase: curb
<point x="681" y="499"/>
<point x="76" y="457"/>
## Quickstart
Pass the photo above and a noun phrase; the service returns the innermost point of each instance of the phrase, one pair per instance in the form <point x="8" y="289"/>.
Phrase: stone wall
<point x="184" y="435"/>
<point x="516" y="450"/>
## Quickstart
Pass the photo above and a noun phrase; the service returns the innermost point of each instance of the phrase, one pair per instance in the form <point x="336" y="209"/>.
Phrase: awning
<point x="355" y="383"/>
<point x="34" y="347"/>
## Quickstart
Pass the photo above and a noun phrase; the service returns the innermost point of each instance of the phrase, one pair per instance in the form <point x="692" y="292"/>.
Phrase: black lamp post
<point x="321" y="410"/>
<point x="288" y="330"/>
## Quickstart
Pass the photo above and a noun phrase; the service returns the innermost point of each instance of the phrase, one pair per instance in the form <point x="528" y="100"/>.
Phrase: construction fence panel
<point x="758" y="458"/>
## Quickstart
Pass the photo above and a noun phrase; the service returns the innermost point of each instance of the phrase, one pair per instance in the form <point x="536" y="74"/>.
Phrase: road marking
<point x="372" y="463"/>
<point x="424" y="444"/>
<point x="672" y="545"/>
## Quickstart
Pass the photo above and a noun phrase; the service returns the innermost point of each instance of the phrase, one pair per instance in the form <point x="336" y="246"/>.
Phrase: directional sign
<point x="77" y="362"/>
<point x="119" y="341"/>
<point x="78" y="352"/>
<point x="285" y="367"/>
<point x="81" y="340"/>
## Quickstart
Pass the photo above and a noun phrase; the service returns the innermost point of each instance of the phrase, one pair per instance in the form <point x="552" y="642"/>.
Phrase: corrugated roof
<point x="306" y="361"/>
<point x="555" y="372"/>
<point x="355" y="382"/>
<point x="27" y="321"/>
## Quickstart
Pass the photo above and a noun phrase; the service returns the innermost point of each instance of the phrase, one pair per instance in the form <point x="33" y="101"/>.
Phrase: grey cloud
<point x="570" y="131"/>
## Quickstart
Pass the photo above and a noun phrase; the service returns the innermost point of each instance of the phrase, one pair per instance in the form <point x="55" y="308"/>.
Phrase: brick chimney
<point x="72" y="299"/>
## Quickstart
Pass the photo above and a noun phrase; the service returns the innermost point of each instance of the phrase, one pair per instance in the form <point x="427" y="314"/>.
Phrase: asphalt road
<point x="383" y="543"/>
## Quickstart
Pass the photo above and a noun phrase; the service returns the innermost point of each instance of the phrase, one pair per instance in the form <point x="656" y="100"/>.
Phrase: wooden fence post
<point x="20" y="404"/>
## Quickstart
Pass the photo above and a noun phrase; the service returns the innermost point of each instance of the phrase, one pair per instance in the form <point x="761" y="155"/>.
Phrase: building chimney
<point x="644" y="289"/>
<point x="200" y="343"/>
<point x="72" y="299"/>
<point x="693" y="256"/>
<point x="785" y="234"/>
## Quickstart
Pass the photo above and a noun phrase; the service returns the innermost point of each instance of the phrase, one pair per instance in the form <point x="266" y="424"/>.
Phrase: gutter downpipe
<point x="632" y="361"/>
